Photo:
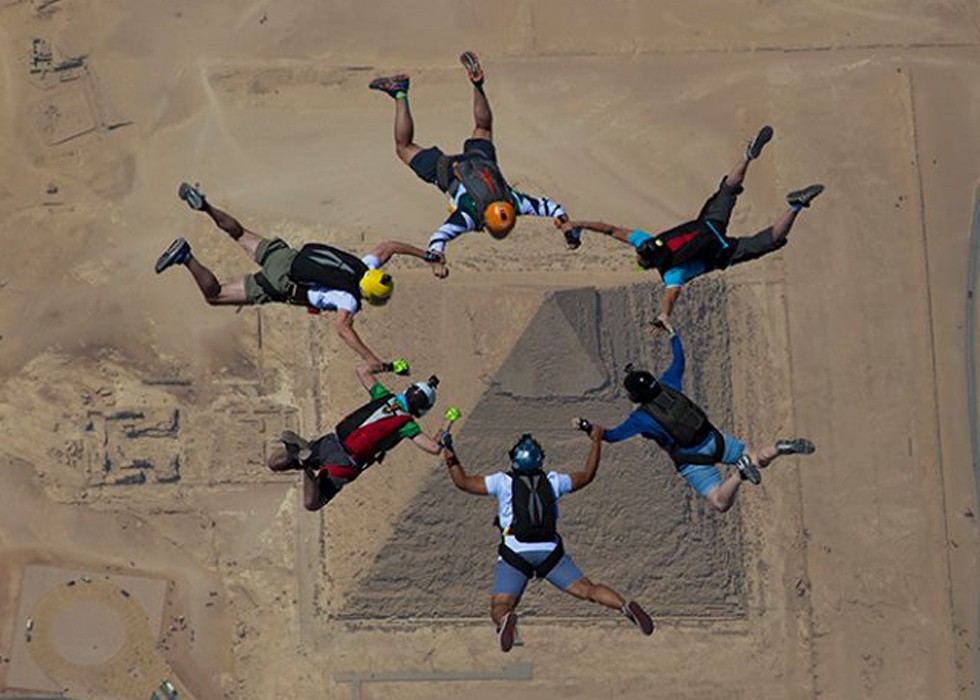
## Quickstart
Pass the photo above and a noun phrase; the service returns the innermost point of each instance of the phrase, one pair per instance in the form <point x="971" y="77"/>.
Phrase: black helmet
<point x="652" y="253"/>
<point x="526" y="455"/>
<point x="640" y="385"/>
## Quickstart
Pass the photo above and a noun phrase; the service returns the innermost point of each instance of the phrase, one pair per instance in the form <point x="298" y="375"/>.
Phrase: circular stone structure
<point x="95" y="640"/>
<point x="87" y="632"/>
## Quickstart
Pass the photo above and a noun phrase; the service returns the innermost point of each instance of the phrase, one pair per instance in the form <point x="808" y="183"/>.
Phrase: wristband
<point x="431" y="256"/>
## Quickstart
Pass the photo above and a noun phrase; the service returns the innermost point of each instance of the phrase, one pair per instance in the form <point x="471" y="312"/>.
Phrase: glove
<point x="446" y="439"/>
<point x="585" y="426"/>
<point x="400" y="367"/>
<point x="453" y="413"/>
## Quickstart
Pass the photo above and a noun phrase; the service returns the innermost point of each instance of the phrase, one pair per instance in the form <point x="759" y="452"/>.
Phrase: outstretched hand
<point x="440" y="269"/>
<point x="662" y="325"/>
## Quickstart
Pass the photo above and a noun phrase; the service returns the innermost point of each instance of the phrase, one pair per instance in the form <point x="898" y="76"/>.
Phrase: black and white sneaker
<point x="178" y="253"/>
<point x="192" y="195"/>
<point x="754" y="148"/>
<point x="796" y="446"/>
<point x="638" y="617"/>
<point x="507" y="632"/>
<point x="748" y="471"/>
<point x="802" y="198"/>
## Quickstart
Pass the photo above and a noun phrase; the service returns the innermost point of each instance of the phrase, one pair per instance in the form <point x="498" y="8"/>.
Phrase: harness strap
<point x="526" y="567"/>
<point x="269" y="288"/>
<point x="679" y="456"/>
<point x="444" y="176"/>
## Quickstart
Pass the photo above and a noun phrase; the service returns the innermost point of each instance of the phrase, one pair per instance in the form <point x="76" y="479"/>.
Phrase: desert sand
<point x="136" y="419"/>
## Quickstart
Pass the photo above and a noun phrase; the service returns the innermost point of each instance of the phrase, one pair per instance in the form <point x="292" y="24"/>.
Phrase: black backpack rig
<point x="533" y="502"/>
<point x="686" y="423"/>
<point x="318" y="265"/>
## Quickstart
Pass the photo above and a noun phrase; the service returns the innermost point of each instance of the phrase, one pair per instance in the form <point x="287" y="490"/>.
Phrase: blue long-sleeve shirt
<point x="639" y="422"/>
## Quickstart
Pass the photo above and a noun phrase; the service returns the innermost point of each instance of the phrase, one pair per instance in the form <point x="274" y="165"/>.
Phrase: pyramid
<point x="638" y="527"/>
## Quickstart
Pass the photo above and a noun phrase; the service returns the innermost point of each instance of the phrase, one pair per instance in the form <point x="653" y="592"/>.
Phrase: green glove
<point x="400" y="366"/>
<point x="453" y="413"/>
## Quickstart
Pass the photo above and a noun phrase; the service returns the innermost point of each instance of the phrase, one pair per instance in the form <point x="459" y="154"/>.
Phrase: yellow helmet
<point x="376" y="287"/>
<point x="499" y="218"/>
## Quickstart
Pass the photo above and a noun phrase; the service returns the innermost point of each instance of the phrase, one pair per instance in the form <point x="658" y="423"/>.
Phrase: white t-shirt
<point x="336" y="300"/>
<point x="499" y="484"/>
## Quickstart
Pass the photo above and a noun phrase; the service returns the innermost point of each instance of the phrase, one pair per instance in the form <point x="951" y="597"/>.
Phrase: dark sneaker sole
<point x="390" y="85"/>
<point x="192" y="195"/>
<point x="473" y="68"/>
<point x="805" y="196"/>
<point x="180" y="248"/>
<point x="508" y="632"/>
<point x="797" y="446"/>
<point x="754" y="149"/>
<point x="640" y="618"/>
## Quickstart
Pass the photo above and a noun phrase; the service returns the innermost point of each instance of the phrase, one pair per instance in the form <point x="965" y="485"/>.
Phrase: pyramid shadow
<point x="638" y="527"/>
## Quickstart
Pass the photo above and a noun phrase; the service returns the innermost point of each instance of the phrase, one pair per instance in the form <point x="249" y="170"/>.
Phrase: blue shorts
<point x="704" y="477"/>
<point x="510" y="581"/>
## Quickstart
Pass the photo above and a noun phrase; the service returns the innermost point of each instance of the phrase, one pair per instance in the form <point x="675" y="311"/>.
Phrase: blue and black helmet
<point x="526" y="455"/>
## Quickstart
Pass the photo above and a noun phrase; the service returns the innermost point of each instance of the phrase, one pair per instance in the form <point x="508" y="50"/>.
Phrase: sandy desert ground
<point x="136" y="419"/>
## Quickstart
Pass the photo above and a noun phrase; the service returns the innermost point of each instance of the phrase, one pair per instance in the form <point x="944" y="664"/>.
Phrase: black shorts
<point x="719" y="207"/>
<point x="425" y="163"/>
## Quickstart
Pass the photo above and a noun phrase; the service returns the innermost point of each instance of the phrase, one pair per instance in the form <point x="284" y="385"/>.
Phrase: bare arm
<point x="344" y="325"/>
<point x="584" y="478"/>
<point x="464" y="482"/>
<point x="384" y="251"/>
<point x="617" y="232"/>
<point x="667" y="305"/>
<point x="427" y="444"/>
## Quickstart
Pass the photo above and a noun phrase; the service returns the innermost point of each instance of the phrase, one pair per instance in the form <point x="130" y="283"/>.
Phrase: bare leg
<point x="405" y="145"/>
<point x="736" y="176"/>
<point x="248" y="240"/>
<point x="214" y="292"/>
<point x="723" y="497"/>
<point x="316" y="494"/>
<point x="783" y="224"/>
<point x="500" y="605"/>
<point x="762" y="458"/>
<point x="599" y="593"/>
<point x="482" y="116"/>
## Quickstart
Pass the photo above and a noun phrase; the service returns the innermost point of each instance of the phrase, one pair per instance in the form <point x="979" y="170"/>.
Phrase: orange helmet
<point x="499" y="218"/>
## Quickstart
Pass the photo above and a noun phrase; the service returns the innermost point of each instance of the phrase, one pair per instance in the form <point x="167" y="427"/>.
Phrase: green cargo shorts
<point x="275" y="256"/>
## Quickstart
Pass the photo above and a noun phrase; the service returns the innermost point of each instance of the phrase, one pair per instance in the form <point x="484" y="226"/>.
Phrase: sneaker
<point x="754" y="147"/>
<point x="473" y="69"/>
<point x="392" y="85"/>
<point x="748" y="471"/>
<point x="192" y="195"/>
<point x="507" y="632"/>
<point x="638" y="617"/>
<point x="796" y="446"/>
<point x="297" y="447"/>
<point x="803" y="197"/>
<point x="178" y="253"/>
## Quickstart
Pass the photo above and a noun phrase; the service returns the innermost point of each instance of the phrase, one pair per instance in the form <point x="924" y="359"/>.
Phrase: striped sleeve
<point x="457" y="224"/>
<point x="538" y="206"/>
